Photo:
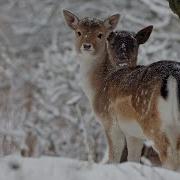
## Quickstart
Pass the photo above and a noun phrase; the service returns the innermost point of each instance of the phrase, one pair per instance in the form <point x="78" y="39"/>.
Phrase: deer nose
<point x="87" y="46"/>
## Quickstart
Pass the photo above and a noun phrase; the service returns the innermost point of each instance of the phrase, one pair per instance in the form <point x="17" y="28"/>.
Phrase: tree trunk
<point x="175" y="6"/>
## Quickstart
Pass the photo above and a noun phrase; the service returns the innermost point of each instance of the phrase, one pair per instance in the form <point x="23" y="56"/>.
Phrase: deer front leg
<point x="134" y="146"/>
<point x="116" y="143"/>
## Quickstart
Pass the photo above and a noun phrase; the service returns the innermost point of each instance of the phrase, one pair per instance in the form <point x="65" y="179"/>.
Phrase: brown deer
<point x="154" y="92"/>
<point x="133" y="102"/>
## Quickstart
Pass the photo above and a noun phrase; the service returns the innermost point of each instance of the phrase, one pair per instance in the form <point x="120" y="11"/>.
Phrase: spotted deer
<point x="133" y="102"/>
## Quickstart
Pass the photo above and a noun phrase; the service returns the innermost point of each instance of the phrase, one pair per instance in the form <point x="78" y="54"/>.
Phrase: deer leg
<point x="134" y="146"/>
<point x="116" y="143"/>
<point x="168" y="151"/>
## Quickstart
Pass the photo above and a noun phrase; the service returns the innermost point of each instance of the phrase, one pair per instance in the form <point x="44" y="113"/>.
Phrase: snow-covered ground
<point x="48" y="168"/>
<point x="41" y="103"/>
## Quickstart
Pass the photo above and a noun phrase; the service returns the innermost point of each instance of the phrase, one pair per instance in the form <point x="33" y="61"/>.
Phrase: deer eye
<point x="79" y="33"/>
<point x="100" y="35"/>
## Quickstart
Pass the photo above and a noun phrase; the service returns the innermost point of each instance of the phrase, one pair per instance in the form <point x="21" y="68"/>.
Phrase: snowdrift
<point x="52" y="168"/>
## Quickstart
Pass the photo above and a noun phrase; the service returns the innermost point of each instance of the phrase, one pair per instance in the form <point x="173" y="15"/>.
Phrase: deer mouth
<point x="87" y="51"/>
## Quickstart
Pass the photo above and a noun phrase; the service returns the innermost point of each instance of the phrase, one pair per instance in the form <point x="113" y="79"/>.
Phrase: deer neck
<point x="93" y="71"/>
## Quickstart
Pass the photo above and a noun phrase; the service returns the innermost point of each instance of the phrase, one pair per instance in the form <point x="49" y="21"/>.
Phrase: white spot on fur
<point x="143" y="111"/>
<point x="146" y="92"/>
<point x="123" y="45"/>
<point x="144" y="102"/>
<point x="138" y="99"/>
<point x="122" y="64"/>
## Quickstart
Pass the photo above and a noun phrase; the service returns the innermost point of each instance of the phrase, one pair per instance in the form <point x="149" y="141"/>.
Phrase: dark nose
<point x="87" y="46"/>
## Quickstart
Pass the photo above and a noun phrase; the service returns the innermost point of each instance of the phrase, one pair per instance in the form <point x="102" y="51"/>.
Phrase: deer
<point x="154" y="91"/>
<point x="133" y="103"/>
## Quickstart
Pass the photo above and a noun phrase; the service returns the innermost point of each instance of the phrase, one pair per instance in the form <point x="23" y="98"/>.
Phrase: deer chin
<point x="87" y="54"/>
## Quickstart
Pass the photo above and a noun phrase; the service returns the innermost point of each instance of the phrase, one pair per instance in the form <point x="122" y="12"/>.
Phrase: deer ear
<point x="71" y="19"/>
<point x="111" y="22"/>
<point x="143" y="35"/>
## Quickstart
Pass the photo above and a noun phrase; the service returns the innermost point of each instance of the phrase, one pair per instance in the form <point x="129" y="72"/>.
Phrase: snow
<point x="51" y="168"/>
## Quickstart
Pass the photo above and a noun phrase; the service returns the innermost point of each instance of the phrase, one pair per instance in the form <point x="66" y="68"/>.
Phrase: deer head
<point x="90" y="33"/>
<point x="123" y="46"/>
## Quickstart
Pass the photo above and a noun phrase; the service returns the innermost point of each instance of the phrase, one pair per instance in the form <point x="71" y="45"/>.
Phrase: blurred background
<point x="43" y="110"/>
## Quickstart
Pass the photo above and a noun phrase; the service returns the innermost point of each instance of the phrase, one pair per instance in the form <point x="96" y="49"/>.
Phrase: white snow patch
<point x="48" y="168"/>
